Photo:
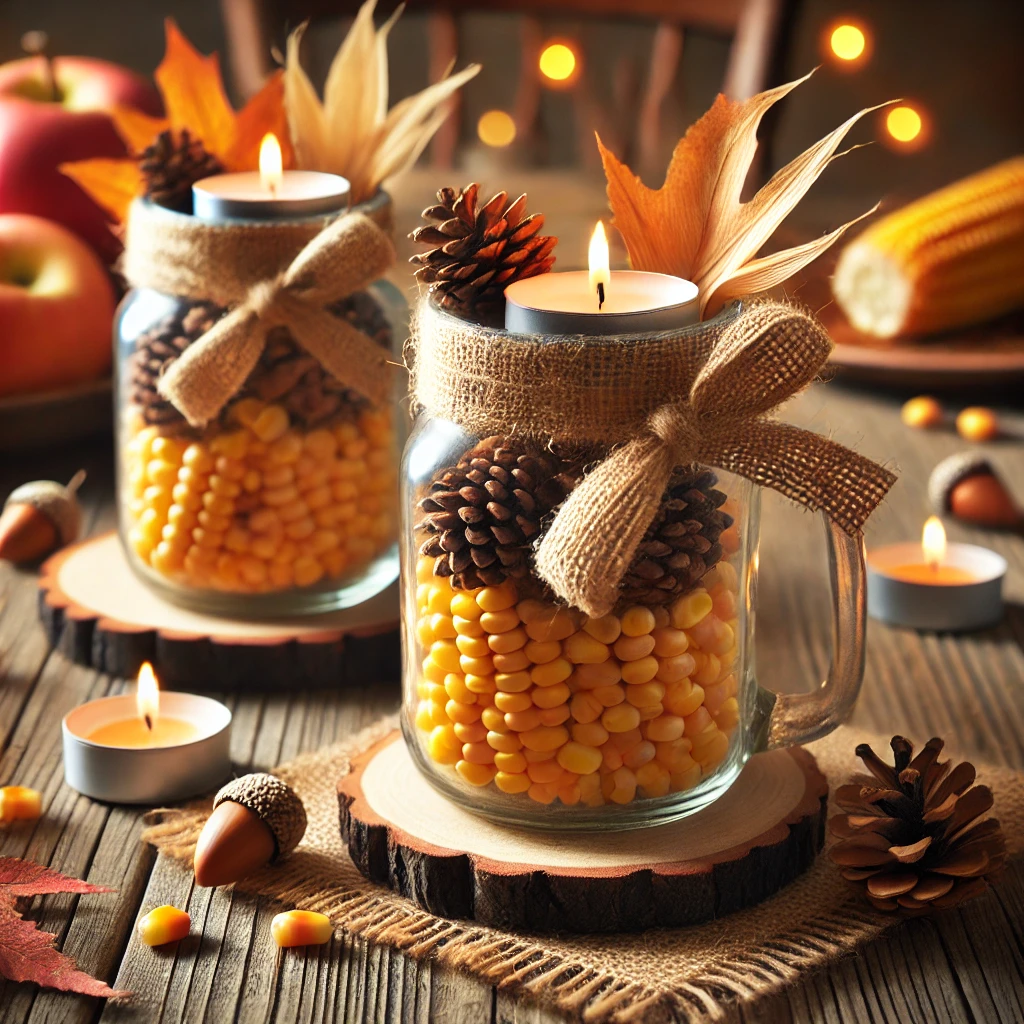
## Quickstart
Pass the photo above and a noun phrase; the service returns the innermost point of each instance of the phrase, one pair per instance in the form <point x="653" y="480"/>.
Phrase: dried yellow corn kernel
<point x="164" y="924"/>
<point x="301" y="928"/>
<point x="19" y="803"/>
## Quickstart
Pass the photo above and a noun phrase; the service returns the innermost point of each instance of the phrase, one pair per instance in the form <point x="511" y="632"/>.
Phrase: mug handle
<point x="790" y="718"/>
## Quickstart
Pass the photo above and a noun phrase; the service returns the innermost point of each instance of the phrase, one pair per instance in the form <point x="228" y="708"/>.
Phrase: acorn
<point x="40" y="517"/>
<point x="967" y="486"/>
<point x="256" y="820"/>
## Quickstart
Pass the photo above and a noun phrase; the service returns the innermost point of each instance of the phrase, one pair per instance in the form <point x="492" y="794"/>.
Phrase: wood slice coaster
<point x="100" y="614"/>
<point x="762" y="834"/>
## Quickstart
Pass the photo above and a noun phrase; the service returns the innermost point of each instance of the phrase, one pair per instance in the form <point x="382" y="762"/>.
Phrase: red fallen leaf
<point x="28" y="954"/>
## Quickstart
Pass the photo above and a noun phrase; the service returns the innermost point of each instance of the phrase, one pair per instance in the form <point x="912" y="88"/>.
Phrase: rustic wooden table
<point x="967" y="965"/>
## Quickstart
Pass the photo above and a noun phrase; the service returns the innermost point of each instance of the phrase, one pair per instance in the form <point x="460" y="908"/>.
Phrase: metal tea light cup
<point x="945" y="608"/>
<point x="147" y="775"/>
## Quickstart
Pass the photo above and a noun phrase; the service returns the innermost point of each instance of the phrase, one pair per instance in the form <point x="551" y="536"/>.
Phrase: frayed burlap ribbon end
<point x="766" y="355"/>
<point x="661" y="401"/>
<point x="344" y="257"/>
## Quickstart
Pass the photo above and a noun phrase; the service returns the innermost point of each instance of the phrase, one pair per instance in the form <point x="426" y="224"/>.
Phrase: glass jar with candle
<point x="521" y="706"/>
<point x="276" y="493"/>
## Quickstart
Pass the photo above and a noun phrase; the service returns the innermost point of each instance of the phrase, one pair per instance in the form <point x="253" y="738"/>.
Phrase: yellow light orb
<point x="496" y="128"/>
<point x="848" y="42"/>
<point x="557" y="62"/>
<point x="903" y="123"/>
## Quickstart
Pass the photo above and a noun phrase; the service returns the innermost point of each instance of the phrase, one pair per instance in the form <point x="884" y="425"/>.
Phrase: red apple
<point x="56" y="307"/>
<point x="39" y="133"/>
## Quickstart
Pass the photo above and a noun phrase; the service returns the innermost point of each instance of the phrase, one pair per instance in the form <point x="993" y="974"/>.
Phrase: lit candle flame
<point x="600" y="276"/>
<point x="933" y="542"/>
<point x="147" y="695"/>
<point x="270" y="163"/>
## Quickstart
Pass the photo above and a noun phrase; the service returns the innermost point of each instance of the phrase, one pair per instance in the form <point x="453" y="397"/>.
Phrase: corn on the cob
<point x="952" y="258"/>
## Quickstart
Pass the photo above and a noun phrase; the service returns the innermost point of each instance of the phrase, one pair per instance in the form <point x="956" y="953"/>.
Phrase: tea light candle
<point x="147" y="748"/>
<point x="934" y="585"/>
<point x="269" y="193"/>
<point x="600" y="301"/>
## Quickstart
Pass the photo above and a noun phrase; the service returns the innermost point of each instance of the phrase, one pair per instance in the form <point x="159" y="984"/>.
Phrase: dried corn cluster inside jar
<point x="534" y="700"/>
<point x="293" y="486"/>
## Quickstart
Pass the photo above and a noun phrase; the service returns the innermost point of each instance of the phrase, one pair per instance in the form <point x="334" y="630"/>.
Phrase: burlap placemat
<point x="653" y="976"/>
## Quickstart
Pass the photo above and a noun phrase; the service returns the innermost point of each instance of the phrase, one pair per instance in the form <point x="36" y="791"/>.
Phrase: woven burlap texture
<point x="269" y="275"/>
<point x="651" y="977"/>
<point x="704" y="394"/>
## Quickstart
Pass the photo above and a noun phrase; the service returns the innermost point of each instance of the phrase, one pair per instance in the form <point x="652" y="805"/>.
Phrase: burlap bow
<point x="701" y="396"/>
<point x="344" y="257"/>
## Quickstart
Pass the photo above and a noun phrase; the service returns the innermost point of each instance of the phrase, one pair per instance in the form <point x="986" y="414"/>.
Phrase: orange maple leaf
<point x="111" y="183"/>
<point x="696" y="226"/>
<point x="194" y="99"/>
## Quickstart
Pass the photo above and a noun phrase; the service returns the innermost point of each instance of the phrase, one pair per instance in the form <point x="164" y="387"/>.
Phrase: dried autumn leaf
<point x="263" y="113"/>
<point x="352" y="133"/>
<point x="193" y="93"/>
<point x="137" y="130"/>
<point x="195" y="100"/>
<point x="113" y="184"/>
<point x="695" y="226"/>
<point x="28" y="954"/>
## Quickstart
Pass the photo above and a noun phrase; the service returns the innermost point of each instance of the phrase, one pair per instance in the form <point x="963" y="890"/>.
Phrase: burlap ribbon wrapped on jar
<point x="267" y="274"/>
<point x="647" y="404"/>
<point x="257" y="446"/>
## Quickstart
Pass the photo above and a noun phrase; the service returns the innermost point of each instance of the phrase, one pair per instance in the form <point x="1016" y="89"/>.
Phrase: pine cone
<point x="288" y="374"/>
<point x="681" y="544"/>
<point x="156" y="349"/>
<point x="171" y="165"/>
<point x="484" y="514"/>
<point x="913" y="838"/>
<point x="479" y="252"/>
<point x="285" y="372"/>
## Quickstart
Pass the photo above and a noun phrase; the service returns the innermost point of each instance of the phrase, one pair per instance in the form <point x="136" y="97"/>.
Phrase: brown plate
<point x="53" y="417"/>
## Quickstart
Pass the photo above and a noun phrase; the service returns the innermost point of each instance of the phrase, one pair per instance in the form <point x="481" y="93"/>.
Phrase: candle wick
<point x="148" y="719"/>
<point x="600" y="294"/>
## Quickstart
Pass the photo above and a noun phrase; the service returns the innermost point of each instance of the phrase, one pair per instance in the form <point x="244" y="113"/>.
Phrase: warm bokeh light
<point x="598" y="260"/>
<point x="903" y="123"/>
<point x="147" y="695"/>
<point x="270" y="162"/>
<point x="933" y="542"/>
<point x="496" y="128"/>
<point x="557" y="62"/>
<point x="848" y="42"/>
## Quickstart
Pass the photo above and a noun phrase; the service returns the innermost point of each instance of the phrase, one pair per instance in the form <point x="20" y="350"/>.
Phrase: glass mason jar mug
<point x="529" y="712"/>
<point x="285" y="502"/>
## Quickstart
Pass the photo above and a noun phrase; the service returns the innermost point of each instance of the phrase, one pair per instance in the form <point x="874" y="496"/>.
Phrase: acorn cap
<point x="274" y="802"/>
<point x="57" y="502"/>
<point x="951" y="471"/>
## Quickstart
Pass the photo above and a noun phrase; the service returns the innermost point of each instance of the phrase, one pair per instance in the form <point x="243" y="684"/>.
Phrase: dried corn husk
<point x="695" y="225"/>
<point x="352" y="132"/>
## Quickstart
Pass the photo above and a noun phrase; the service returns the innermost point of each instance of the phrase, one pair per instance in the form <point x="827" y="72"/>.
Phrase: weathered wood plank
<point x="964" y="966"/>
<point x="457" y="998"/>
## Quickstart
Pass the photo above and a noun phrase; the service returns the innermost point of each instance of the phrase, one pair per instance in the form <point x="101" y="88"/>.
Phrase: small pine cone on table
<point x="479" y="252"/>
<point x="913" y="837"/>
<point x="682" y="544"/>
<point x="484" y="514"/>
<point x="171" y="165"/>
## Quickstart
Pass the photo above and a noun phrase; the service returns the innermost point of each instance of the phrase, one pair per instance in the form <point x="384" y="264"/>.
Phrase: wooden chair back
<point x="759" y="32"/>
